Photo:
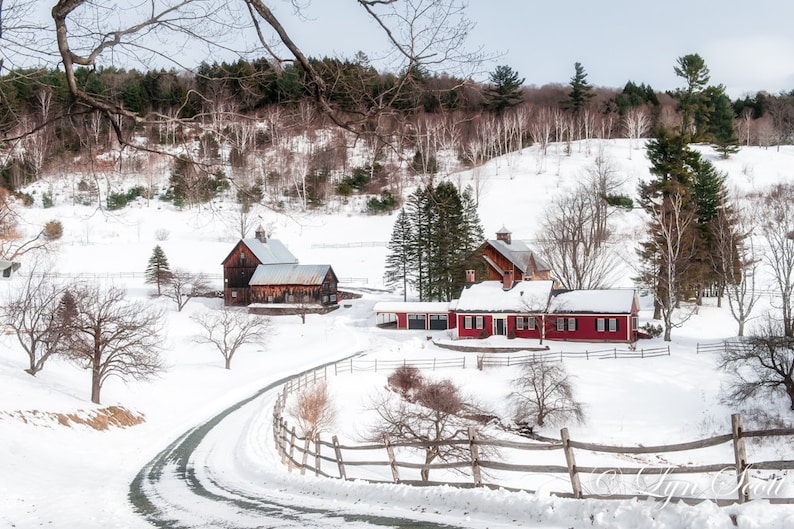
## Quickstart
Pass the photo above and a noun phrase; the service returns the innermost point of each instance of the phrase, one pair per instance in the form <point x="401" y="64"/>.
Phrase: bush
<point x="386" y="203"/>
<point x="407" y="381"/>
<point x="53" y="230"/>
<point x="46" y="200"/>
<point x="653" y="330"/>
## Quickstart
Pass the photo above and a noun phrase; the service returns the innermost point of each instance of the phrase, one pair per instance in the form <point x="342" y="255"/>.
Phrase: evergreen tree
<point x="720" y="124"/>
<point x="158" y="272"/>
<point x="505" y="89"/>
<point x="434" y="241"/>
<point x="692" y="68"/>
<point x="581" y="91"/>
<point x="399" y="269"/>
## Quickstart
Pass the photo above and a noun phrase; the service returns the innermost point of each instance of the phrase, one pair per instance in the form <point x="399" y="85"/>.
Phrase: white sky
<point x="747" y="46"/>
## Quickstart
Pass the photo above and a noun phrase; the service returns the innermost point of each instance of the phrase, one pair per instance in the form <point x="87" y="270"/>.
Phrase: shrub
<point x="407" y="381"/>
<point x="653" y="330"/>
<point x="53" y="230"/>
<point x="386" y="203"/>
<point x="46" y="200"/>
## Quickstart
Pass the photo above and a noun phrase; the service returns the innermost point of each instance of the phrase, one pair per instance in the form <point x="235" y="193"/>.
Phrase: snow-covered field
<point x="75" y="476"/>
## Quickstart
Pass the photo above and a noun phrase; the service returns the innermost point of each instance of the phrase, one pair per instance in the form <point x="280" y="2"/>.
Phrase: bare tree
<point x="579" y="240"/>
<point x="38" y="315"/>
<point x="422" y="34"/>
<point x="737" y="263"/>
<point x="228" y="329"/>
<point x="432" y="417"/>
<point x="14" y="242"/>
<point x="544" y="395"/>
<point x="637" y="121"/>
<point x="113" y="337"/>
<point x="761" y="365"/>
<point x="775" y="218"/>
<point x="313" y="409"/>
<point x="670" y="256"/>
<point x="182" y="286"/>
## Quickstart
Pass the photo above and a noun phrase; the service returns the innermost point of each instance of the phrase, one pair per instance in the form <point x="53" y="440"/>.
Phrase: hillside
<point x="75" y="476"/>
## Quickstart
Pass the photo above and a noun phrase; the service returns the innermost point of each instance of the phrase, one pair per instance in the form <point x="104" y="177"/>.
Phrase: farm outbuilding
<point x="415" y="315"/>
<point x="264" y="272"/>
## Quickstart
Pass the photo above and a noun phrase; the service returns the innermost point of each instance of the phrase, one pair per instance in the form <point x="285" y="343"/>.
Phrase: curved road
<point x="212" y="476"/>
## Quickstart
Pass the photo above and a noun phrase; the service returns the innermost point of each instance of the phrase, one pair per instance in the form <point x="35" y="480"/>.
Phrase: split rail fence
<point x="483" y="467"/>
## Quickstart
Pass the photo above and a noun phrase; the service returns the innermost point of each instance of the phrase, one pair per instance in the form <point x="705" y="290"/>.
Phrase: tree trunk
<point x="228" y="362"/>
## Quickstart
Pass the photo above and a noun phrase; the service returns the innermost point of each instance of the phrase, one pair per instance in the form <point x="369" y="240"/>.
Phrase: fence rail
<point x="363" y="244"/>
<point x="342" y="462"/>
<point x="332" y="459"/>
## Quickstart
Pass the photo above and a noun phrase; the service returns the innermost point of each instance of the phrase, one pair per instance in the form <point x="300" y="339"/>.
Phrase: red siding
<point x="586" y="328"/>
<point x="463" y="332"/>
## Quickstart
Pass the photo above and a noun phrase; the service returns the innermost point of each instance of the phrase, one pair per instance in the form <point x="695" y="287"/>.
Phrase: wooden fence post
<point x="390" y="452"/>
<point x="291" y="450"/>
<point x="338" y="454"/>
<point x="317" y="460"/>
<point x="571" y="462"/>
<point x="740" y="455"/>
<point x="305" y="457"/>
<point x="475" y="457"/>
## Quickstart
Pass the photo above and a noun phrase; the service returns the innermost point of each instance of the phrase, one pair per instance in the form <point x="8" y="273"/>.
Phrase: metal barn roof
<point x="289" y="274"/>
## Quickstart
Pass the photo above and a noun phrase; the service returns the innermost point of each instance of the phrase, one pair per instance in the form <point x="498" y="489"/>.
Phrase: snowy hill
<point x="76" y="476"/>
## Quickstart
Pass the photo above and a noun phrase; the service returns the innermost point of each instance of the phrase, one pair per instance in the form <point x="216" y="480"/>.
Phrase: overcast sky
<point x="747" y="45"/>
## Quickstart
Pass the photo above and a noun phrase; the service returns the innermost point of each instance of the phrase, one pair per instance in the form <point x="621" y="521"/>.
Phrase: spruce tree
<point x="505" y="89"/>
<point x="400" y="260"/>
<point x="581" y="91"/>
<point x="158" y="272"/>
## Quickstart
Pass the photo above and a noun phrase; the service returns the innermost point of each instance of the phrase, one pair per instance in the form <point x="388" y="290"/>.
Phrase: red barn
<point x="503" y="255"/>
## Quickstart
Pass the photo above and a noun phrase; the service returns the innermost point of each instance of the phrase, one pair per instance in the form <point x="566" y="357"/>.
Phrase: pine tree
<point x="692" y="68"/>
<point x="158" y="272"/>
<point x="399" y="262"/>
<point x="434" y="241"/>
<point x="581" y="91"/>
<point x="505" y="89"/>
<point x="720" y="125"/>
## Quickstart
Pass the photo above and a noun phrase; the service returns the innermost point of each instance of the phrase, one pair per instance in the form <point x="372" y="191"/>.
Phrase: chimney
<point x="469" y="276"/>
<point x="261" y="234"/>
<point x="504" y="235"/>
<point x="507" y="280"/>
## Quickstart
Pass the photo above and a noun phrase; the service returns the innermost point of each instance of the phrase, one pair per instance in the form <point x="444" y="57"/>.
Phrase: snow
<point x="76" y="476"/>
<point x="595" y="301"/>
<point x="490" y="296"/>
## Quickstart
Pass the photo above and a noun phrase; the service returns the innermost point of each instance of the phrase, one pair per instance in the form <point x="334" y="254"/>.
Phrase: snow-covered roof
<point x="609" y="301"/>
<point x="518" y="253"/>
<point x="419" y="307"/>
<point x="289" y="274"/>
<point x="490" y="296"/>
<point x="270" y="252"/>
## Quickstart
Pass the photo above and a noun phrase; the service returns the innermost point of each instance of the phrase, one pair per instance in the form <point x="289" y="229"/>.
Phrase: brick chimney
<point x="469" y="276"/>
<point x="507" y="280"/>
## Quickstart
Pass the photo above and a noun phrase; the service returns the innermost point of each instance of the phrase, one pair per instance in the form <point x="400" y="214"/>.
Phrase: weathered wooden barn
<point x="264" y="272"/>
<point x="503" y="254"/>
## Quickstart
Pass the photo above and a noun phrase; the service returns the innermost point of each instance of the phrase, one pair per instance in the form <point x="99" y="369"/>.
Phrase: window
<point x="634" y="323"/>
<point x="306" y="298"/>
<point x="467" y="322"/>
<point x="242" y="256"/>
<point x="270" y="298"/>
<point x="290" y="298"/>
<point x="480" y="322"/>
<point x="566" y="324"/>
<point x="613" y="324"/>
<point x="325" y="299"/>
<point x="531" y="323"/>
<point x="519" y="323"/>
<point x="600" y="325"/>
<point x="234" y="293"/>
